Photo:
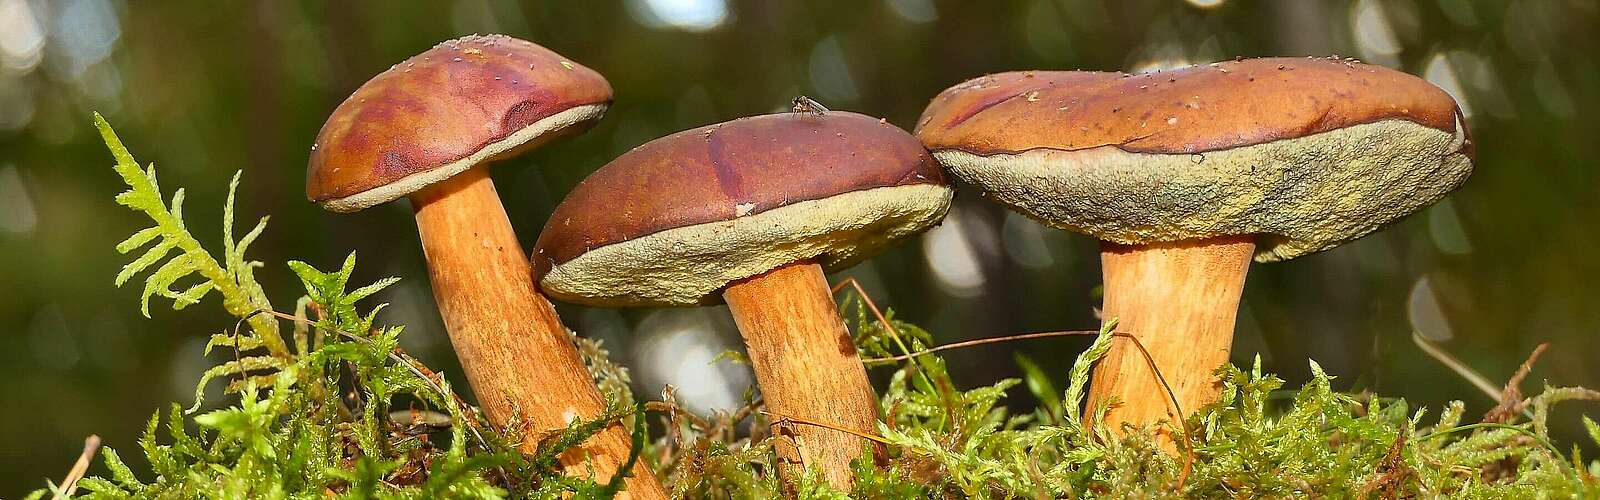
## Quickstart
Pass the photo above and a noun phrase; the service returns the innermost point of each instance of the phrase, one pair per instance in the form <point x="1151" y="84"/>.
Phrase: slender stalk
<point x="1180" y="300"/>
<point x="807" y="367"/>
<point x="515" y="352"/>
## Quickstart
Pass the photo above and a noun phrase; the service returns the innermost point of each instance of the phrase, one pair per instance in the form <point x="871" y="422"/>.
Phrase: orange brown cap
<point x="1306" y="153"/>
<point x="460" y="104"/>
<point x="675" y="220"/>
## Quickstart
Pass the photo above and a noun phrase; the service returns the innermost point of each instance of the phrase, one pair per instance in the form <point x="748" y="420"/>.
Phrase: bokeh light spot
<point x="21" y="37"/>
<point x="687" y="15"/>
<point x="680" y="348"/>
<point x="830" y="75"/>
<point x="916" y="11"/>
<point x="16" y="208"/>
<point x="1426" y="315"/>
<point x="953" y="257"/>
<point x="1374" y="37"/>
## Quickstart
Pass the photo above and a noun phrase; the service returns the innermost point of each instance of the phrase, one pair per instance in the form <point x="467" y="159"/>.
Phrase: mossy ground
<point x="333" y="407"/>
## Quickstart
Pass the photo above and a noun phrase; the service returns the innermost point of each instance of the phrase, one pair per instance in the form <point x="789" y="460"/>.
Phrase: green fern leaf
<point x="241" y="343"/>
<point x="102" y="488"/>
<point x="1078" y="377"/>
<point x="151" y="256"/>
<point x="176" y="209"/>
<point x="235" y="367"/>
<point x="160" y="282"/>
<point x="1592" y="428"/>
<point x="260" y="381"/>
<point x="161" y="459"/>
<point x="137" y="199"/>
<point x="363" y="292"/>
<point x="227" y="215"/>
<point x="191" y="296"/>
<point x="231" y="278"/>
<point x="138" y="239"/>
<point x="120" y="472"/>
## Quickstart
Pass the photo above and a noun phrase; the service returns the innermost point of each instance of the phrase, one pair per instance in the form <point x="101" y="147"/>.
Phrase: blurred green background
<point x="206" y="88"/>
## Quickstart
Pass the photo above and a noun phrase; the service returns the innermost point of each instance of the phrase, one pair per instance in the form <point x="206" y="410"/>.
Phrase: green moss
<point x="312" y="417"/>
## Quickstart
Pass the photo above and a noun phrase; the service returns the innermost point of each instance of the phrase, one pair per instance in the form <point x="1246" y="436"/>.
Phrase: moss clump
<point x="315" y="417"/>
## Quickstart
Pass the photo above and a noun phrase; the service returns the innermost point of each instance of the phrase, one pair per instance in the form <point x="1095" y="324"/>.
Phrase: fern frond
<point x="375" y="287"/>
<point x="231" y="278"/>
<point x="1592" y="428"/>
<point x="1078" y="377"/>
<point x="138" y="239"/>
<point x="241" y="343"/>
<point x="259" y="381"/>
<point x="190" y="296"/>
<point x="102" y="487"/>
<point x="235" y="367"/>
<point x="151" y="256"/>
<point x="120" y="473"/>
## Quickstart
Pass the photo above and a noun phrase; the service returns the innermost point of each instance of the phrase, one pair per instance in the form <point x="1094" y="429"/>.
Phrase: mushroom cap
<point x="463" y="102"/>
<point x="1304" y="153"/>
<point x="675" y="220"/>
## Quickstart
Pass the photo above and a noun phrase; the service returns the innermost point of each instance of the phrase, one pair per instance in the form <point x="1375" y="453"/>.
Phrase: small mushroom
<point x="751" y="212"/>
<point x="426" y="129"/>
<point x="1184" y="183"/>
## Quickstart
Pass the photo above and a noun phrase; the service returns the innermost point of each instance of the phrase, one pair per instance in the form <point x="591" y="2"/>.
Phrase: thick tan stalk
<point x="806" y="366"/>
<point x="1180" y="300"/>
<point x="512" y="346"/>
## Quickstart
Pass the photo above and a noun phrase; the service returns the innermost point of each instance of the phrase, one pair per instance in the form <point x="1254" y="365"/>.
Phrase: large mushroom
<point x="751" y="212"/>
<point x="426" y="130"/>
<point x="1184" y="175"/>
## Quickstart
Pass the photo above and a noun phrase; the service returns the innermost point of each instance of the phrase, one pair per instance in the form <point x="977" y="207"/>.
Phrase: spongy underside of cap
<point x="549" y="126"/>
<point x="1301" y="195"/>
<point x="688" y="265"/>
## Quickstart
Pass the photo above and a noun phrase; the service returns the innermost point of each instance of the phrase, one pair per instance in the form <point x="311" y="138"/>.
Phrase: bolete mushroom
<point x="426" y="129"/>
<point x="751" y="212"/>
<point x="1184" y="175"/>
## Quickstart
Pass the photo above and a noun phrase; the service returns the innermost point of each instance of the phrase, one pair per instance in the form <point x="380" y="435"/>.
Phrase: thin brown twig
<point x="1450" y="361"/>
<point x="737" y="416"/>
<point x="69" y="485"/>
<point x="1188" y="444"/>
<point x="871" y="306"/>
<point x="674" y="434"/>
<point x="883" y="319"/>
<point x="1388" y="484"/>
<point x="1183" y="428"/>
<point x="1527" y="366"/>
<point x="781" y="420"/>
<point x="982" y="341"/>
<point x="1172" y="396"/>
<point x="1511" y="395"/>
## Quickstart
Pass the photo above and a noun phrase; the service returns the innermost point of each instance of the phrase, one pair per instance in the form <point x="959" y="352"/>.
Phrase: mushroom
<point x="1184" y="175"/>
<point x="751" y="212"/>
<point x="426" y="130"/>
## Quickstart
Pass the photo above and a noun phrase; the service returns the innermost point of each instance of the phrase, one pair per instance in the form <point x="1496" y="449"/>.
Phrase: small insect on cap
<point x="462" y="103"/>
<point x="675" y="220"/>
<point x="1306" y="153"/>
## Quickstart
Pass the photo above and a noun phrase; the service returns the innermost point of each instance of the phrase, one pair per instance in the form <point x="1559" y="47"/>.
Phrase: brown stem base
<point x="1179" y="300"/>
<point x="806" y="365"/>
<point x="512" y="346"/>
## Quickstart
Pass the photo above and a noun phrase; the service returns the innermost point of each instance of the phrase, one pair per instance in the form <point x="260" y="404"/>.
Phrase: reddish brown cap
<point x="1305" y="153"/>
<point x="463" y="102"/>
<point x="674" y="220"/>
<point x="1188" y="110"/>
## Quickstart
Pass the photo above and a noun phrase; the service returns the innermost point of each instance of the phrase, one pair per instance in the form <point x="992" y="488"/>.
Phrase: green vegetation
<point x="313" y="418"/>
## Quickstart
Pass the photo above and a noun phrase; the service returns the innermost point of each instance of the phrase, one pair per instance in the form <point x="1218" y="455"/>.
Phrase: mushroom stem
<point x="806" y="365"/>
<point x="1179" y="299"/>
<point x="515" y="352"/>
